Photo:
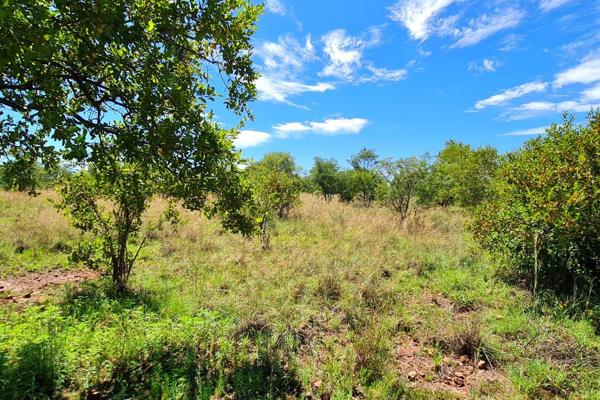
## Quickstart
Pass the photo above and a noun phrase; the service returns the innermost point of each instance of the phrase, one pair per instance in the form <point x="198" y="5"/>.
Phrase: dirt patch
<point x="33" y="287"/>
<point x="451" y="374"/>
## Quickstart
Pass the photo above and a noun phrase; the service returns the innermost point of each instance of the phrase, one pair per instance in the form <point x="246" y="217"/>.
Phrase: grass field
<point x="346" y="304"/>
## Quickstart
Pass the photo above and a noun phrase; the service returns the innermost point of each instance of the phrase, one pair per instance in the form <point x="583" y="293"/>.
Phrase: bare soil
<point x="457" y="375"/>
<point x="33" y="287"/>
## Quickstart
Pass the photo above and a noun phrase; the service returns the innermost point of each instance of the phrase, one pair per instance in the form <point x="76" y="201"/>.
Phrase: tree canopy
<point x="125" y="89"/>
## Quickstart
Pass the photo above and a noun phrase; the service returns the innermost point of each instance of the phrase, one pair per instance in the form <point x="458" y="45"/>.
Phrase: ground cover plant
<point x="346" y="303"/>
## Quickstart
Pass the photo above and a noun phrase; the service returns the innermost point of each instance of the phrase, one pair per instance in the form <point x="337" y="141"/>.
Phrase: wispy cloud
<point x="278" y="90"/>
<point x="384" y="74"/>
<point x="511" y="94"/>
<point x="511" y="42"/>
<point x="588" y="71"/>
<point x="345" y="52"/>
<point x="287" y="56"/>
<point x="275" y="7"/>
<point x="537" y="108"/>
<point x="549" y="5"/>
<point x="526" y="132"/>
<point x="486" y="25"/>
<point x="330" y="126"/>
<point x="247" y="138"/>
<point x="592" y="93"/>
<point x="418" y="16"/>
<point x="486" y="65"/>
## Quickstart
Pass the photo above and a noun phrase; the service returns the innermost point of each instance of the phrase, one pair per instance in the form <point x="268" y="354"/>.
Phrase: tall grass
<point x="323" y="313"/>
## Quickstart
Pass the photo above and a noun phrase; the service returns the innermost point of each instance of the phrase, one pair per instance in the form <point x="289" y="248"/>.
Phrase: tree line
<point x="536" y="208"/>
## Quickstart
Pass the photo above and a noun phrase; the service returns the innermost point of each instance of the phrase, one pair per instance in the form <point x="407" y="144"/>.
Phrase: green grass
<point x="319" y="315"/>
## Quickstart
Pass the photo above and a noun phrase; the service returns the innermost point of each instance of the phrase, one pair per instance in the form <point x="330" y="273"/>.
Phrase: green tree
<point x="276" y="190"/>
<point x="364" y="160"/>
<point x="365" y="176"/>
<point x="460" y="174"/>
<point x="404" y="179"/>
<point x="544" y="216"/>
<point x="325" y="175"/>
<point x="126" y="85"/>
<point x="347" y="185"/>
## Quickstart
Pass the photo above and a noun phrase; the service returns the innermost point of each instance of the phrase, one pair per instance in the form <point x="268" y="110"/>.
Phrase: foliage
<point x="208" y="315"/>
<point x="365" y="178"/>
<point x="276" y="189"/>
<point x="545" y="212"/>
<point x="460" y="175"/>
<point x="364" y="160"/>
<point x="128" y="83"/>
<point x="325" y="175"/>
<point x="24" y="175"/>
<point x="404" y="179"/>
<point x="347" y="185"/>
<point x="114" y="229"/>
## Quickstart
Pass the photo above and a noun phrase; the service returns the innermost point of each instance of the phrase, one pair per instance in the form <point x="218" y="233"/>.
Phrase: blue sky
<point x="404" y="76"/>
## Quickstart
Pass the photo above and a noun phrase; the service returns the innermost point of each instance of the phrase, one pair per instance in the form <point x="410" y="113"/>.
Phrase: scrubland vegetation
<point x="141" y="256"/>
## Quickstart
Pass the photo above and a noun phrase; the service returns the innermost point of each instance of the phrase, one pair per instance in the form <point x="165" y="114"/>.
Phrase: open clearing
<point x="346" y="303"/>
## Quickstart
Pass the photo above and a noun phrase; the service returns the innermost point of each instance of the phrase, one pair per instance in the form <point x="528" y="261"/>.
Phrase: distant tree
<point x="347" y="185"/>
<point x="19" y="174"/>
<point x="325" y="174"/>
<point x="544" y="212"/>
<point x="404" y="179"/>
<point x="364" y="160"/>
<point x="460" y="175"/>
<point x="276" y="189"/>
<point x="365" y="177"/>
<point x="124" y="88"/>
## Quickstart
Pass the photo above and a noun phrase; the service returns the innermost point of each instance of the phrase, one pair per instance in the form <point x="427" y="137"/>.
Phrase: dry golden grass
<point x="350" y="288"/>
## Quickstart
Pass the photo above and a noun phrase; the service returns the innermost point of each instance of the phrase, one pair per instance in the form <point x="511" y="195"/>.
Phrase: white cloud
<point x="486" y="65"/>
<point x="339" y="125"/>
<point x="486" y="25"/>
<point x="548" y="5"/>
<point x="592" y="93"/>
<point x="286" y="56"/>
<point x="330" y="126"/>
<point x="275" y="7"/>
<point x="279" y="90"/>
<point x="536" y="108"/>
<point x="250" y="139"/>
<point x="418" y="16"/>
<point x="385" y="74"/>
<point x="587" y="71"/>
<point x="511" y="42"/>
<point x="511" y="94"/>
<point x="290" y="128"/>
<point x="344" y="53"/>
<point x="527" y="132"/>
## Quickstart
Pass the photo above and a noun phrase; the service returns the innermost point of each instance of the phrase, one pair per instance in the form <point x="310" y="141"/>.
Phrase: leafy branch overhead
<point x="128" y="85"/>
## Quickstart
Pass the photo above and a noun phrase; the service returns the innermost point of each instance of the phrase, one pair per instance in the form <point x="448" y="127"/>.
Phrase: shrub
<point x="460" y="175"/>
<point x="544" y="217"/>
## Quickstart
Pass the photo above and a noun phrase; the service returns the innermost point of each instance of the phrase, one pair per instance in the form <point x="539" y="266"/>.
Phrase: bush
<point x="544" y="216"/>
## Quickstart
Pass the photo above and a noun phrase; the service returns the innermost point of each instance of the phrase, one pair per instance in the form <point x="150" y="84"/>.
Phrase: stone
<point x="412" y="375"/>
<point x="481" y="364"/>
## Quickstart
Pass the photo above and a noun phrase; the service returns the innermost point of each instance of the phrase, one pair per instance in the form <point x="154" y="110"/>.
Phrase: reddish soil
<point x="457" y="375"/>
<point x="34" y="286"/>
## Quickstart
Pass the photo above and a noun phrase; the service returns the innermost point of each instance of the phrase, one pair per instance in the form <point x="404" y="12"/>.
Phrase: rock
<point x="481" y="364"/>
<point x="459" y="381"/>
<point x="464" y="359"/>
<point x="412" y="375"/>
<point x="459" y="374"/>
